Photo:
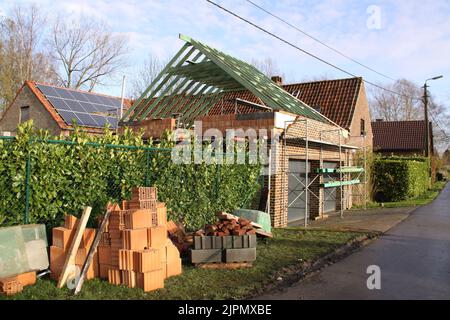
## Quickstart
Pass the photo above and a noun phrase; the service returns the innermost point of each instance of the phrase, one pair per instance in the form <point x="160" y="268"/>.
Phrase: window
<point x="24" y="114"/>
<point x="363" y="127"/>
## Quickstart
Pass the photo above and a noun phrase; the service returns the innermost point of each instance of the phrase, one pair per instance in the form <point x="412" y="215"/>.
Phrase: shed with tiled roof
<point x="400" y="137"/>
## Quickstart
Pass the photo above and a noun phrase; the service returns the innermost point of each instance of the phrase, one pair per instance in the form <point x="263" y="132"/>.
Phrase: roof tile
<point x="399" y="135"/>
<point x="336" y="99"/>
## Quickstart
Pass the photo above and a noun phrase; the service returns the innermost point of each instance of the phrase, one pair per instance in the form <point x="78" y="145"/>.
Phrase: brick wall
<point x="256" y="121"/>
<point x="295" y="148"/>
<point x="41" y="118"/>
<point x="361" y="112"/>
<point x="153" y="127"/>
<point x="317" y="153"/>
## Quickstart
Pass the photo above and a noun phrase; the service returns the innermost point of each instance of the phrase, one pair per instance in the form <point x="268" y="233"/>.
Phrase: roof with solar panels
<point x="85" y="109"/>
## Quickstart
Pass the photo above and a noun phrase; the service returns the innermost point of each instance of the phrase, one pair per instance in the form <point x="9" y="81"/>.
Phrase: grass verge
<point x="421" y="200"/>
<point x="289" y="247"/>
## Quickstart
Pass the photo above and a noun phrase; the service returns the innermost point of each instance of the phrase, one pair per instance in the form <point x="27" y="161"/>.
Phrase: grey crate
<point x="203" y="242"/>
<point x="245" y="241"/>
<point x="225" y="242"/>
<point x="239" y="255"/>
<point x="206" y="255"/>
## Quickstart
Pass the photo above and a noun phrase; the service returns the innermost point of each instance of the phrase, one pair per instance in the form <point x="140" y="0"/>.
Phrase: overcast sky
<point x="411" y="39"/>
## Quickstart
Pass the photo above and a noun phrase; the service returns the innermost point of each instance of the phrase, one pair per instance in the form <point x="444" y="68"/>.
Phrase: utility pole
<point x="427" y="123"/>
<point x="427" y="128"/>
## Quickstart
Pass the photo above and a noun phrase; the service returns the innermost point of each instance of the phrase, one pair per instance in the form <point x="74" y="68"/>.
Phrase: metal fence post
<point x="147" y="167"/>
<point x="217" y="187"/>
<point x="27" y="188"/>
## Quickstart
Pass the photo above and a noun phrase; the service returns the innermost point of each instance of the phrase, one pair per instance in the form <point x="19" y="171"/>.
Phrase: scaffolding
<point x="342" y="176"/>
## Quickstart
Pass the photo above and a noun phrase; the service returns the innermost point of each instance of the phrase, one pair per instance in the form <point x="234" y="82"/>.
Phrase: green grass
<point x="288" y="247"/>
<point x="421" y="200"/>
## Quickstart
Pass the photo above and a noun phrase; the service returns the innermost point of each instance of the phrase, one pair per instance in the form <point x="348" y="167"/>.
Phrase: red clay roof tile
<point x="336" y="99"/>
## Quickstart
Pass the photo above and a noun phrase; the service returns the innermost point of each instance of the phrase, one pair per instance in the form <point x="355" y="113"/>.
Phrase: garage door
<point x="329" y="193"/>
<point x="296" y="188"/>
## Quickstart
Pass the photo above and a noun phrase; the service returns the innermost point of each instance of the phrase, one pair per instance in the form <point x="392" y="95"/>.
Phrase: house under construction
<point x="312" y="170"/>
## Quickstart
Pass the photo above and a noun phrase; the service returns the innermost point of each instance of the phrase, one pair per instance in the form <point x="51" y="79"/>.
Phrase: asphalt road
<point x="414" y="260"/>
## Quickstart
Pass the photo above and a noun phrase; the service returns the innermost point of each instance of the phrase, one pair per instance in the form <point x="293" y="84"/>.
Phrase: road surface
<point x="414" y="259"/>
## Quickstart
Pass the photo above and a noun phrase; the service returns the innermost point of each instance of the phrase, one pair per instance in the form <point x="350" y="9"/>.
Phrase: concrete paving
<point x="376" y="220"/>
<point x="413" y="256"/>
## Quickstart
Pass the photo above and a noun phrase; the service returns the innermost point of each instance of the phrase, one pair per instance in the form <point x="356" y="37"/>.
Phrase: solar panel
<point x="87" y="109"/>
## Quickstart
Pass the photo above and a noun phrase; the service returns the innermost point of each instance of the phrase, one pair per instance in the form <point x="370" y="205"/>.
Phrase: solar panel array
<point x="87" y="109"/>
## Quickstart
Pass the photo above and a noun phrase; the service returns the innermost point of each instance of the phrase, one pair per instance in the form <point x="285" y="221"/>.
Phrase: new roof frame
<point x="193" y="80"/>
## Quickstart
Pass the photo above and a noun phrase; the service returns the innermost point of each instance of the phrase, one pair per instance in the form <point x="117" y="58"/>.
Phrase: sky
<point x="401" y="39"/>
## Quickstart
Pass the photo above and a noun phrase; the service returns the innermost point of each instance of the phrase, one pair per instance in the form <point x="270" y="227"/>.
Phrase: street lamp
<point x="427" y="125"/>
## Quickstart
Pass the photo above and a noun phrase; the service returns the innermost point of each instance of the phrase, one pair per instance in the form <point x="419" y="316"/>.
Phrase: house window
<point x="24" y="114"/>
<point x="363" y="127"/>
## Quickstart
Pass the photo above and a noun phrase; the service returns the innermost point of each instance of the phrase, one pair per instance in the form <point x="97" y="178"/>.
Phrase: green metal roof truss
<point x="194" y="79"/>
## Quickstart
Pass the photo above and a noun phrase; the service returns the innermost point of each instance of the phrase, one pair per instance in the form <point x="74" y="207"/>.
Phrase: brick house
<point x="201" y="83"/>
<point x="401" y="138"/>
<point x="54" y="108"/>
<point x="343" y="101"/>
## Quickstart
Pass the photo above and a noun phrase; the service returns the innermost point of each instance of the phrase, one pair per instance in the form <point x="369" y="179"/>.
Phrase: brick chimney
<point x="278" y="80"/>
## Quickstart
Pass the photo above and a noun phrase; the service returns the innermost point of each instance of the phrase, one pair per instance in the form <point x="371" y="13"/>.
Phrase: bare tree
<point x="86" y="52"/>
<point x="22" y="54"/>
<point x="394" y="107"/>
<point x="408" y="105"/>
<point x="268" y="66"/>
<point x="144" y="76"/>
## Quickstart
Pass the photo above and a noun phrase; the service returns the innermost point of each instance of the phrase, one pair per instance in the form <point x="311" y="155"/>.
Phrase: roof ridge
<point x="76" y="90"/>
<point x="403" y="121"/>
<point x="323" y="81"/>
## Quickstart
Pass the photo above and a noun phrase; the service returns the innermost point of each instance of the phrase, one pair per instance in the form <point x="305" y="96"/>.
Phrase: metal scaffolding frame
<point x="344" y="170"/>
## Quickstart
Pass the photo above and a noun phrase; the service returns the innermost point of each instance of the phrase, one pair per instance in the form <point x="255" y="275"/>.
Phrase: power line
<point x="319" y="41"/>
<point x="322" y="60"/>
<point x="306" y="52"/>
<point x="439" y="125"/>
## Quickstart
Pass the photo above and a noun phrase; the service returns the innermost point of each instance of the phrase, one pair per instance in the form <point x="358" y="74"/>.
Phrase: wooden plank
<point x="91" y="253"/>
<point x="261" y="232"/>
<point x="350" y="169"/>
<point x="333" y="184"/>
<point x="70" y="258"/>
<point x="226" y="216"/>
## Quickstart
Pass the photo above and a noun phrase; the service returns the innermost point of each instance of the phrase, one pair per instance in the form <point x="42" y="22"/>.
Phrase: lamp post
<point x="427" y="123"/>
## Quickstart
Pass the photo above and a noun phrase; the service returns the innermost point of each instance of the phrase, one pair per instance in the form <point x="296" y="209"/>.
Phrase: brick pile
<point x="228" y="225"/>
<point x="230" y="240"/>
<point x="61" y="240"/>
<point x="182" y="239"/>
<point x="135" y="249"/>
<point x="15" y="284"/>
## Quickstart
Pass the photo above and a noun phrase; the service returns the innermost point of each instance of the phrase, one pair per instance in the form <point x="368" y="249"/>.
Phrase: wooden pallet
<point x="229" y="265"/>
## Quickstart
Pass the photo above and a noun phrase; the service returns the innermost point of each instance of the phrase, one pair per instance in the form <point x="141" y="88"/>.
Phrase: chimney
<point x="379" y="120"/>
<point x="317" y="108"/>
<point x="278" y="80"/>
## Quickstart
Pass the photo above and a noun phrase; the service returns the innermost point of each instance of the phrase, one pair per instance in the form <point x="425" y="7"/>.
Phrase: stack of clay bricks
<point x="15" y="284"/>
<point x="62" y="239"/>
<point x="135" y="249"/>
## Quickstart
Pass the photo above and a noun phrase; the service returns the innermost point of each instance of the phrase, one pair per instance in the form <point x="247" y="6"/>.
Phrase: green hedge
<point x="396" y="179"/>
<point x="64" y="177"/>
